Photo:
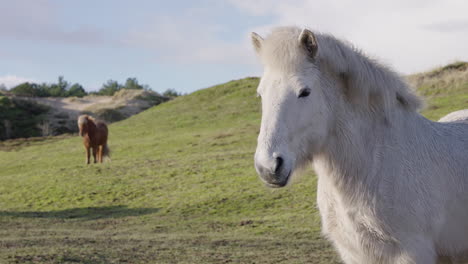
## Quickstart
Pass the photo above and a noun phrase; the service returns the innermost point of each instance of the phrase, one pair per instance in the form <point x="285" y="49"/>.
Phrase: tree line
<point x="63" y="88"/>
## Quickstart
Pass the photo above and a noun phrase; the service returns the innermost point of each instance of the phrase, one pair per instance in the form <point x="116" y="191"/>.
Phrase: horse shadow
<point x="84" y="213"/>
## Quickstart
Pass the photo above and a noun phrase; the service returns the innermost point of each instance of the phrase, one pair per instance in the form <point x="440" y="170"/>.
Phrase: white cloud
<point x="187" y="40"/>
<point x="38" y="20"/>
<point x="409" y="35"/>
<point x="12" y="80"/>
<point x="449" y="26"/>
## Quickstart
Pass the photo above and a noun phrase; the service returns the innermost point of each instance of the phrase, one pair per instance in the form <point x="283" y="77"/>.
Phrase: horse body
<point x="392" y="185"/>
<point x="375" y="216"/>
<point x="94" y="135"/>
<point x="461" y="116"/>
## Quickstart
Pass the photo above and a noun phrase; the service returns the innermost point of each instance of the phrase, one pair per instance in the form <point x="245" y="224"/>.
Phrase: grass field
<point x="181" y="188"/>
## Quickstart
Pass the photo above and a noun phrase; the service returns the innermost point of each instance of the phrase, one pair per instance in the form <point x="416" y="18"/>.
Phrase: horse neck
<point x="91" y="128"/>
<point x="360" y="148"/>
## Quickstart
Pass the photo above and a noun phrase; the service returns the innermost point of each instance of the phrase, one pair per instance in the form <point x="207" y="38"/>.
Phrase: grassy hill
<point x="445" y="89"/>
<point x="24" y="116"/>
<point x="181" y="188"/>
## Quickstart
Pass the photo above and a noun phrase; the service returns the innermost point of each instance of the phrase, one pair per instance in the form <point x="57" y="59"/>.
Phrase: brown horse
<point x="94" y="135"/>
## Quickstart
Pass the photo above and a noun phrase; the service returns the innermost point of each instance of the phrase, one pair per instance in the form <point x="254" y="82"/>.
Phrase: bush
<point x="109" y="115"/>
<point x="109" y="88"/>
<point x="153" y="97"/>
<point x="20" y="118"/>
<point x="171" y="93"/>
<point x="76" y="90"/>
<point x="132" y="84"/>
<point x="60" y="89"/>
<point x="26" y="89"/>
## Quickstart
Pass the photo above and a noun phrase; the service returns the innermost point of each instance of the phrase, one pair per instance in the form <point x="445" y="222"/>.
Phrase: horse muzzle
<point x="275" y="173"/>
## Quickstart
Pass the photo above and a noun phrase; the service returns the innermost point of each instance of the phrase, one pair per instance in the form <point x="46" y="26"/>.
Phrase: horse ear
<point x="257" y="41"/>
<point x="308" y="41"/>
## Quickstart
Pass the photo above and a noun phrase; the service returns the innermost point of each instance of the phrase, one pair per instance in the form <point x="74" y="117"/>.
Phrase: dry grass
<point x="445" y="89"/>
<point x="443" y="80"/>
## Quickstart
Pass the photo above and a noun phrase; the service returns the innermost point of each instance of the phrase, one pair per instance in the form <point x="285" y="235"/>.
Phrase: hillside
<point x="181" y="188"/>
<point x="445" y="89"/>
<point x="20" y="116"/>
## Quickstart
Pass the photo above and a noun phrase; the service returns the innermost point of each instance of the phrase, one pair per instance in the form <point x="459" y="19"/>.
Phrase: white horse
<point x="392" y="185"/>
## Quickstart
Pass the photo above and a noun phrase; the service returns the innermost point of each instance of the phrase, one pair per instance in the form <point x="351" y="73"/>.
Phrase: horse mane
<point x="83" y="119"/>
<point x="367" y="82"/>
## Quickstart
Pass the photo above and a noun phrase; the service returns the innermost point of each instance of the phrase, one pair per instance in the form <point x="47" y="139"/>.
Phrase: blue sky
<point x="190" y="45"/>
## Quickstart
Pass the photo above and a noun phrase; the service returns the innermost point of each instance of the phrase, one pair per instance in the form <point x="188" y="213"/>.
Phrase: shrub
<point x="20" y="118"/>
<point x="171" y="93"/>
<point x="109" y="115"/>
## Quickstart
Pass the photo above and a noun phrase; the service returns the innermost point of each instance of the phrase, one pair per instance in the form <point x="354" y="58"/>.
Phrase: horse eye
<point x="304" y="92"/>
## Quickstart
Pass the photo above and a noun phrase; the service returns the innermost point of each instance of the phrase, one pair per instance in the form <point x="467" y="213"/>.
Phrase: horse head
<point x="295" y="107"/>
<point x="83" y="124"/>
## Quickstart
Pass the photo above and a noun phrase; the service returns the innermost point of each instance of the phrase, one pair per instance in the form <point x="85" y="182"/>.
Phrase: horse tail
<point x="106" y="152"/>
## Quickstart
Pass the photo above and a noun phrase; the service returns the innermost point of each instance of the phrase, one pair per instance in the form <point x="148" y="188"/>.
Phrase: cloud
<point x="38" y="20"/>
<point x="188" y="40"/>
<point x="448" y="26"/>
<point x="409" y="35"/>
<point x="260" y="7"/>
<point x="12" y="80"/>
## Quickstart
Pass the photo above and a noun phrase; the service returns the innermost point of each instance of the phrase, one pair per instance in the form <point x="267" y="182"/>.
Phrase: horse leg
<point x="88" y="154"/>
<point x="94" y="154"/>
<point x="100" y="149"/>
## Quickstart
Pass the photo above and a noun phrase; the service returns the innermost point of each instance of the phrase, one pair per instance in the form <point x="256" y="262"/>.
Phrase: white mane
<point x="368" y="81"/>
<point x="82" y="119"/>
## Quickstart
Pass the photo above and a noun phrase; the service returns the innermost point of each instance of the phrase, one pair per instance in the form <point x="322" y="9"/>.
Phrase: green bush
<point x="109" y="115"/>
<point x="60" y="89"/>
<point x="26" y="89"/>
<point x="20" y="118"/>
<point x="171" y="93"/>
<point x="76" y="90"/>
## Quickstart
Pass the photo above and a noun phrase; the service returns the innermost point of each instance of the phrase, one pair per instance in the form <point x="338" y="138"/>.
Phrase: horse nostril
<point x="279" y="163"/>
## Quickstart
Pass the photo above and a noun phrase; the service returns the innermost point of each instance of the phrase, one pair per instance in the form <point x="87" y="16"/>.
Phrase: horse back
<point x="101" y="133"/>
<point x="457" y="116"/>
<point x="102" y="126"/>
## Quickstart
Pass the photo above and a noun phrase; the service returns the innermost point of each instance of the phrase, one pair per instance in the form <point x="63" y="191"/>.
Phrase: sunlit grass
<point x="181" y="188"/>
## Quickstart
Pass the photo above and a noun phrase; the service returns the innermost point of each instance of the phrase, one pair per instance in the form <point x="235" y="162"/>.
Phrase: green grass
<point x="444" y="103"/>
<point x="445" y="89"/>
<point x="181" y="188"/>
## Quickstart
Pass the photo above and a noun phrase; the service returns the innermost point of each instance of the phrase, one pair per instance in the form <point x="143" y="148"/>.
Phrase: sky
<point x="193" y="44"/>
